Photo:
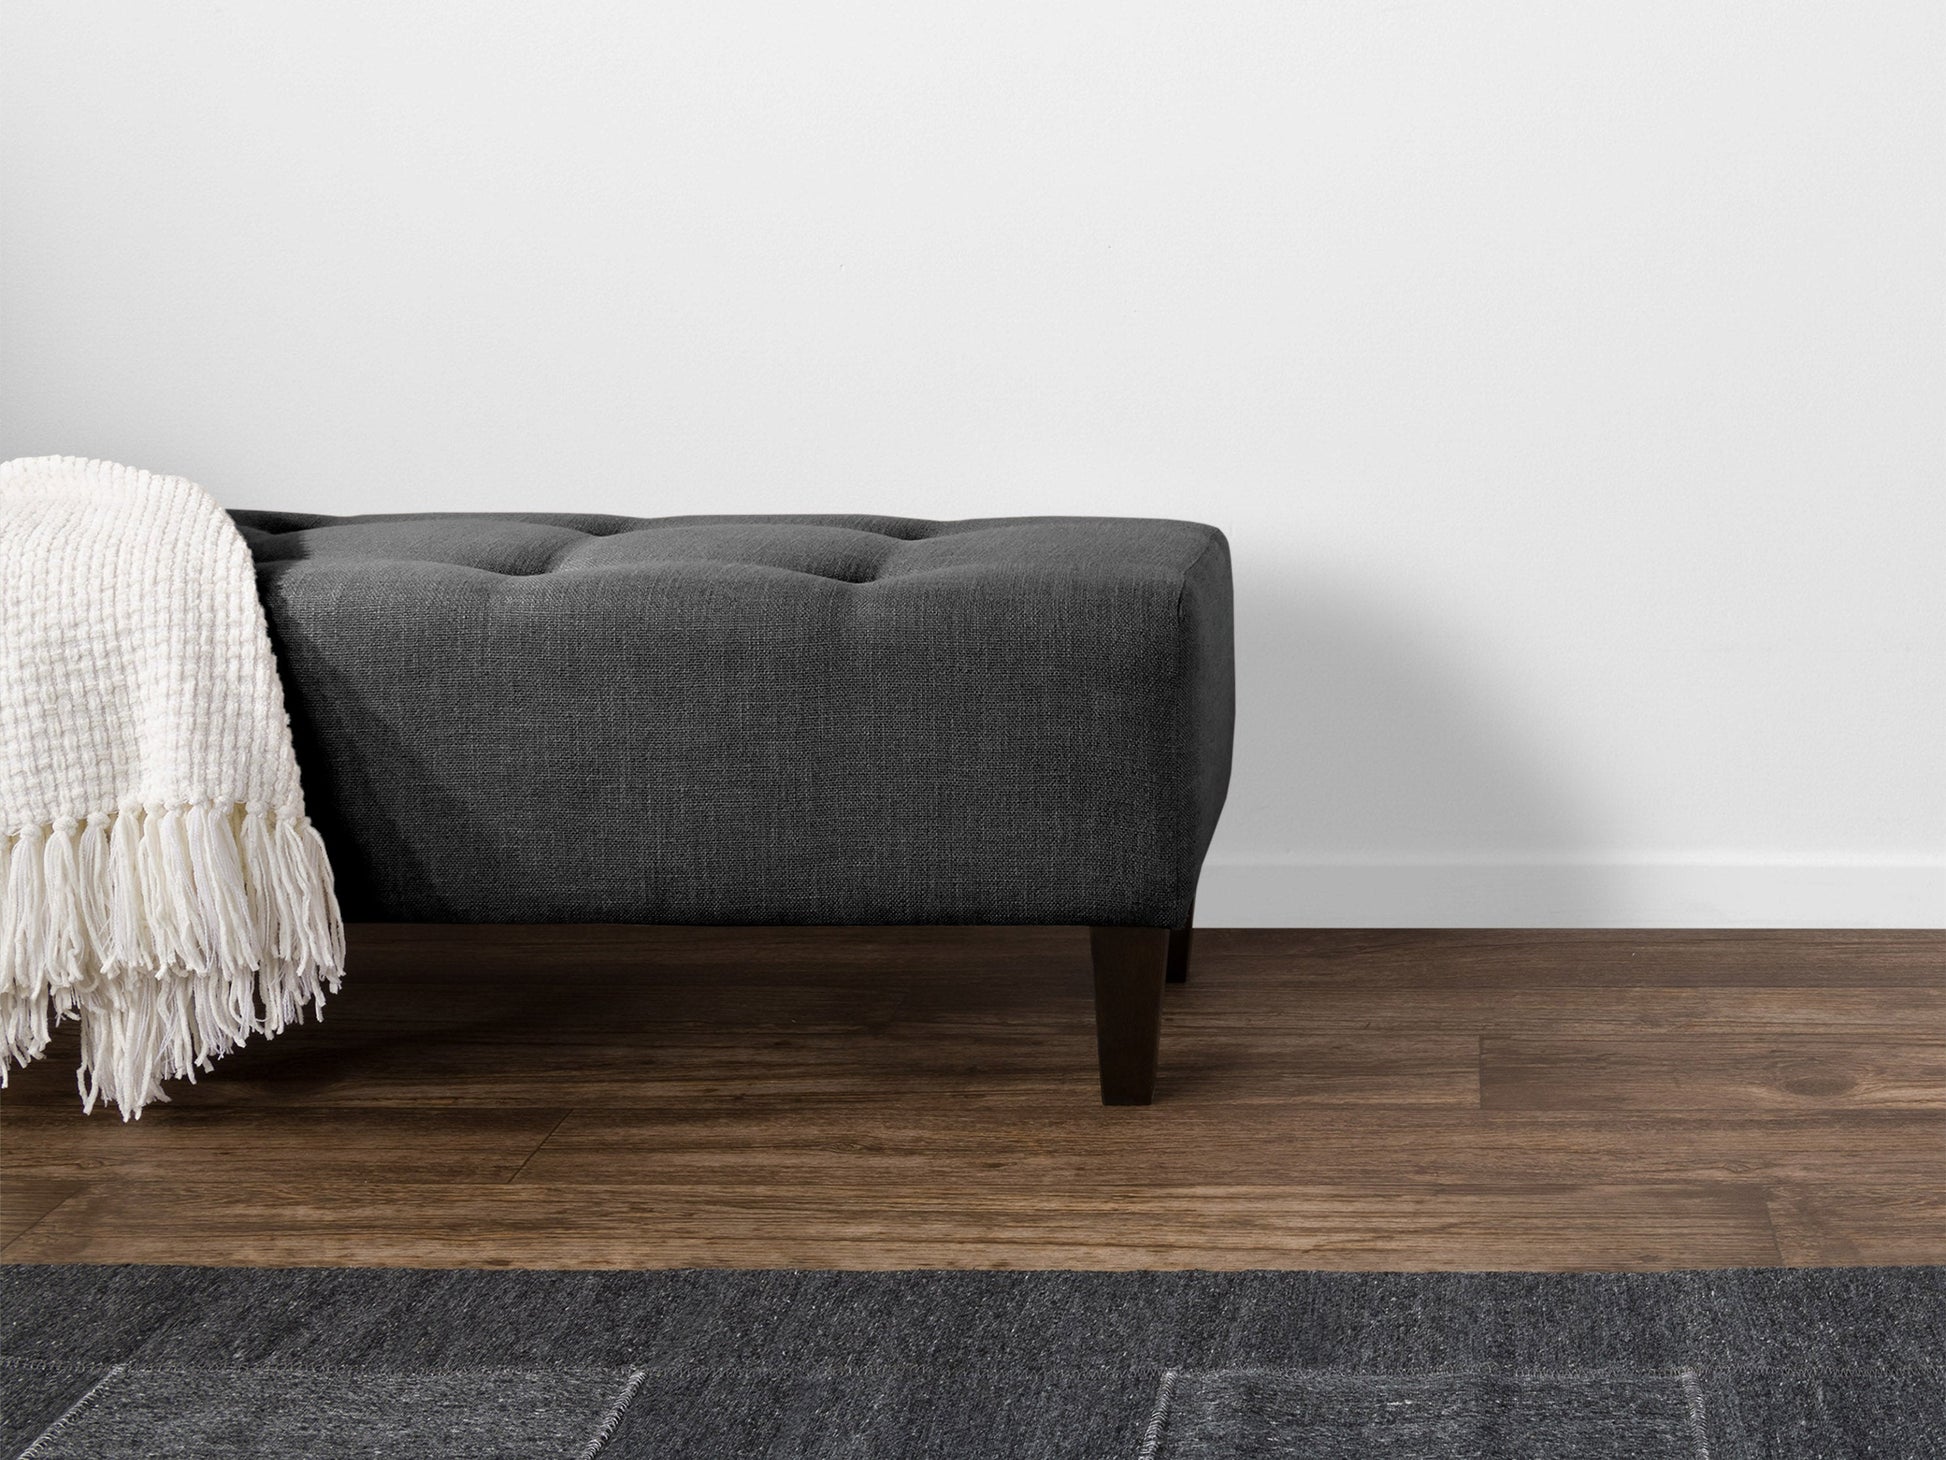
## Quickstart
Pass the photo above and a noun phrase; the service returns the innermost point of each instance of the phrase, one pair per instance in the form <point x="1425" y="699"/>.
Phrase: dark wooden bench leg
<point x="1130" y="965"/>
<point x="1179" y="947"/>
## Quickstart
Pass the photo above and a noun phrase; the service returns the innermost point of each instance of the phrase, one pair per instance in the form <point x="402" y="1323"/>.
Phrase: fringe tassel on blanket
<point x="173" y="933"/>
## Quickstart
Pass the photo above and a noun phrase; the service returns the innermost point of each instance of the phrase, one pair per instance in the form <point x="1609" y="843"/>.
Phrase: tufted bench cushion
<point x="792" y="719"/>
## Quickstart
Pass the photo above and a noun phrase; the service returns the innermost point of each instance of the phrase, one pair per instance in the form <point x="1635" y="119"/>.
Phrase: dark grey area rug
<point x="113" y="1362"/>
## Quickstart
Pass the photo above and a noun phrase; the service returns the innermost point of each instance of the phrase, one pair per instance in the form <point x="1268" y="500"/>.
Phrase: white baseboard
<point x="1571" y="895"/>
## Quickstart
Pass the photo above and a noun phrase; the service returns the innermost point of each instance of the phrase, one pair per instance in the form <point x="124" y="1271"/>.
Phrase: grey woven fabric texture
<point x="1751" y="1365"/>
<point x="35" y="1394"/>
<point x="548" y="718"/>
<point x="1266" y="1414"/>
<point x="144" y="1413"/>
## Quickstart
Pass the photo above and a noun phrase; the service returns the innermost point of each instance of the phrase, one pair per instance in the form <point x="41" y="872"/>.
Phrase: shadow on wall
<point x="1391" y="770"/>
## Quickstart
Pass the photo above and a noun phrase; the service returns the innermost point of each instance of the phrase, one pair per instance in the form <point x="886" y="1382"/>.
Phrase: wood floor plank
<point x="319" y="1143"/>
<point x="757" y="1140"/>
<point x="1370" y="960"/>
<point x="1556" y="1011"/>
<point x="538" y="1057"/>
<point x="1586" y="957"/>
<point x="1820" y="1225"/>
<point x="824" y="1225"/>
<point x="24" y="1200"/>
<point x="355" y="1065"/>
<point x="1692" y="1072"/>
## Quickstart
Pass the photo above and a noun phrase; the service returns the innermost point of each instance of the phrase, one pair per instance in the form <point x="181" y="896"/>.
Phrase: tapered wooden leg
<point x="1179" y="947"/>
<point x="1130" y="964"/>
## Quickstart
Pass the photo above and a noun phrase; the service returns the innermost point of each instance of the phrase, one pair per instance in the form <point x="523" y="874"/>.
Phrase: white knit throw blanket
<point x="158" y="878"/>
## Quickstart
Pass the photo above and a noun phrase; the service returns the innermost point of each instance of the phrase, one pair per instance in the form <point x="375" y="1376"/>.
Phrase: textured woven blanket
<point x="159" y="881"/>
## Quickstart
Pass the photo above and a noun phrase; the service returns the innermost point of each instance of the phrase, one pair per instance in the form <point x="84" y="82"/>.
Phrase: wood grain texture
<point x="1842" y="1226"/>
<point x="315" y="1143"/>
<point x="576" y="1097"/>
<point x="1595" y="957"/>
<point x="24" y="1200"/>
<point x="1046" y="1152"/>
<point x="982" y="1225"/>
<point x="1841" y="1071"/>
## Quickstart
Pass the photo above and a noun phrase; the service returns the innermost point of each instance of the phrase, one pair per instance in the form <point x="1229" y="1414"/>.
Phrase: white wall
<point x="1567" y="376"/>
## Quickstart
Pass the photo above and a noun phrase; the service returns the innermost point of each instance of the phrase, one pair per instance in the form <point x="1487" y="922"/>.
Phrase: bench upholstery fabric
<point x="773" y="719"/>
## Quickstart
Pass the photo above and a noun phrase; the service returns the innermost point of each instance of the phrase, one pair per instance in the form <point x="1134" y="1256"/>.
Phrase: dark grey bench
<point x="767" y="720"/>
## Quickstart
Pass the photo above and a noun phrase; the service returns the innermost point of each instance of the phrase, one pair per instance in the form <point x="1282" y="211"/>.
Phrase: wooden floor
<point x="609" y="1097"/>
